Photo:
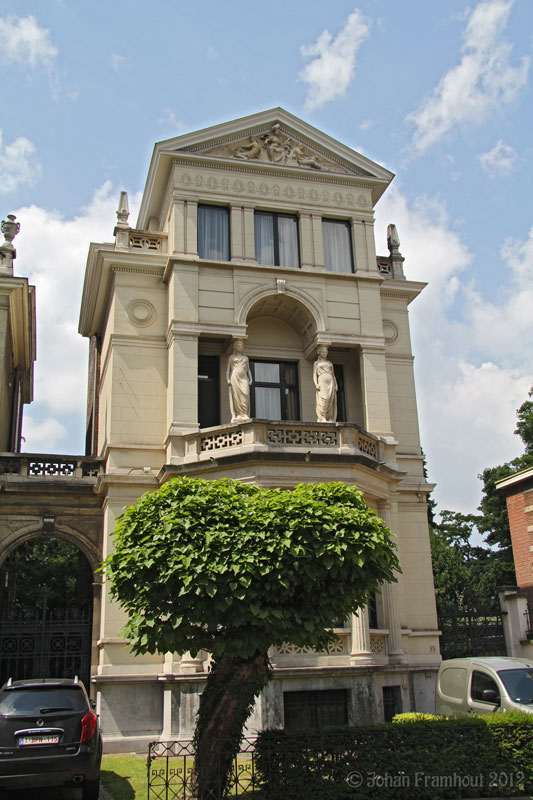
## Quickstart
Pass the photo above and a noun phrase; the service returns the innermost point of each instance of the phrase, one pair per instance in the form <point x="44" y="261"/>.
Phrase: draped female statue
<point x="239" y="379"/>
<point x="326" y="387"/>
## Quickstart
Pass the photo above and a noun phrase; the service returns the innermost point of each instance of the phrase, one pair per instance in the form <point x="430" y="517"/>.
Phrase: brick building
<point x="518" y="491"/>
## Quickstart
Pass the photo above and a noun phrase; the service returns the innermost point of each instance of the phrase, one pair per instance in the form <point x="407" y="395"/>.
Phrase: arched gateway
<point x="46" y="605"/>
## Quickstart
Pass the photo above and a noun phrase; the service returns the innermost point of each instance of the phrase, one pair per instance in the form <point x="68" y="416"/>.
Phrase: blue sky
<point x="439" y="92"/>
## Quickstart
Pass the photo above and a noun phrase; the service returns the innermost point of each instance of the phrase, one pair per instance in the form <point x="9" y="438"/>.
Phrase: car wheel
<point x="91" y="789"/>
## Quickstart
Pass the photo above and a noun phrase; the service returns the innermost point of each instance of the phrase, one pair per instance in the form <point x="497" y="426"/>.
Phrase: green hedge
<point x="427" y="759"/>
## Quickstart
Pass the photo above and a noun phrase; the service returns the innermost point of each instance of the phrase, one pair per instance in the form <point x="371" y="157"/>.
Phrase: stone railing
<point x="378" y="642"/>
<point x="261" y="435"/>
<point x="49" y="466"/>
<point x="340" y="647"/>
<point x="142" y="240"/>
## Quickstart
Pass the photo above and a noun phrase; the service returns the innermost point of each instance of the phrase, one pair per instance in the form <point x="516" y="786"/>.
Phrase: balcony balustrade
<point x="49" y="466"/>
<point x="258" y="435"/>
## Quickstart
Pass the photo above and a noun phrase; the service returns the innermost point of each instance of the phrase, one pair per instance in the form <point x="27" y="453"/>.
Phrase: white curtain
<point x="337" y="249"/>
<point x="264" y="238"/>
<point x="213" y="232"/>
<point x="288" y="242"/>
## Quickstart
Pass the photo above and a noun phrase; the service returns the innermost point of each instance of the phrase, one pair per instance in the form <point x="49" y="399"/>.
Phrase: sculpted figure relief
<point x="326" y="387"/>
<point x="277" y="148"/>
<point x="239" y="379"/>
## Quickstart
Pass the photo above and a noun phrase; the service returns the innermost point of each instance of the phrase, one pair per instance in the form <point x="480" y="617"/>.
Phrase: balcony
<point x="40" y="465"/>
<point x="300" y="440"/>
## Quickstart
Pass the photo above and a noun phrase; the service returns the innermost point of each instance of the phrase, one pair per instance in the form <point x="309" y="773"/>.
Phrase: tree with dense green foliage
<point x="234" y="569"/>
<point x="466" y="576"/>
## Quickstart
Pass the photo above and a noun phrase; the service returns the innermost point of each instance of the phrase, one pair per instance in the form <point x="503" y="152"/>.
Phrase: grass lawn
<point x="124" y="777"/>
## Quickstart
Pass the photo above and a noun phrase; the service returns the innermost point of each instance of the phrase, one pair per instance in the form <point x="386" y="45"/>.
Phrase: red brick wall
<point x="520" y="510"/>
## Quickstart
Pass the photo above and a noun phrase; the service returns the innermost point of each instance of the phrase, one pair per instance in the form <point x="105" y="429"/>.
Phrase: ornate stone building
<point x="260" y="230"/>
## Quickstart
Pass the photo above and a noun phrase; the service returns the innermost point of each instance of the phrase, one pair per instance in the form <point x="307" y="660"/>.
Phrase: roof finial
<point x="123" y="210"/>
<point x="395" y="257"/>
<point x="10" y="228"/>
<point x="121" y="232"/>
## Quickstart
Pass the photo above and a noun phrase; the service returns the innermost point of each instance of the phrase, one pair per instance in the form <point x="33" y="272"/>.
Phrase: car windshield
<point x="41" y="700"/>
<point x="519" y="684"/>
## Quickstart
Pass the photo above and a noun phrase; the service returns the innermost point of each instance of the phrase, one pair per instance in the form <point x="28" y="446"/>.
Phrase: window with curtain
<point x="213" y="232"/>
<point x="275" y="390"/>
<point x="337" y="242"/>
<point x="276" y="239"/>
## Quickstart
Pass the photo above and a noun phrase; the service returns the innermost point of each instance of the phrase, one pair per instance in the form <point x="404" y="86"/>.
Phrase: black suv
<point x="49" y="736"/>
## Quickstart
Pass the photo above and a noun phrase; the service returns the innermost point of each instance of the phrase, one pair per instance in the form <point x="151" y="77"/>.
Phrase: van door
<point x="484" y="694"/>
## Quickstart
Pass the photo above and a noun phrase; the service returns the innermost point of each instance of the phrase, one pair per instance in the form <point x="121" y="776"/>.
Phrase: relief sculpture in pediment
<point x="275" y="147"/>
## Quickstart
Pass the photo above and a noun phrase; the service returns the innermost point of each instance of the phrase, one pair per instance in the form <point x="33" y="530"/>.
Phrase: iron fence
<point x="170" y="772"/>
<point x="471" y="632"/>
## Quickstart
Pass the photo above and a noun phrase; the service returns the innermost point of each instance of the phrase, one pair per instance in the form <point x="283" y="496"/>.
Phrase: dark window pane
<point x="341" y="397"/>
<point x="213" y="232"/>
<point x="291" y="404"/>
<point x="290" y="374"/>
<point x="315" y="709"/>
<point x="208" y="391"/>
<point x="392" y="702"/>
<point x="480" y="682"/>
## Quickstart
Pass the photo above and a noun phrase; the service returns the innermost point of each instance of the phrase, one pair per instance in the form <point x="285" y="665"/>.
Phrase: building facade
<point x="256" y="237"/>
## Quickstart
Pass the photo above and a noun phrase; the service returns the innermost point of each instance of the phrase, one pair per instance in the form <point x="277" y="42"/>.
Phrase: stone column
<point x="237" y="233"/>
<point x="361" y="653"/>
<point x="306" y="241"/>
<point x="191" y="228"/>
<point x="391" y="601"/>
<point x="318" y="243"/>
<point x="249" y="234"/>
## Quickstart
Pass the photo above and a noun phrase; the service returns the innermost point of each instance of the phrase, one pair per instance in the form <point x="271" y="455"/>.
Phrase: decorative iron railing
<point x="170" y="772"/>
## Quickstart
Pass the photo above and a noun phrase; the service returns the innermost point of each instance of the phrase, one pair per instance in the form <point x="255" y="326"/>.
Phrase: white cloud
<point x="498" y="161"/>
<point x="332" y="65"/>
<point x="25" y="42"/>
<point x="43" y="436"/>
<point x="472" y="367"/>
<point x="484" y="79"/>
<point x="117" y="61"/>
<point x="17" y="164"/>
<point x="171" y="119"/>
<point x="52" y="251"/>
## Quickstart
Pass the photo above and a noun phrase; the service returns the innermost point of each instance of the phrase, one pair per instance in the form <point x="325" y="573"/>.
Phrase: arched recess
<point x="300" y="311"/>
<point x="48" y="604"/>
<point x="281" y="333"/>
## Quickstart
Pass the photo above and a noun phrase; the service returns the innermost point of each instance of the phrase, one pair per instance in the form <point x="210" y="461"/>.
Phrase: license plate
<point x="50" y="739"/>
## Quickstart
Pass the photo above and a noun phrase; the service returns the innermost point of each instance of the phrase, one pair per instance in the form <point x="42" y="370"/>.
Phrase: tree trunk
<point x="225" y="705"/>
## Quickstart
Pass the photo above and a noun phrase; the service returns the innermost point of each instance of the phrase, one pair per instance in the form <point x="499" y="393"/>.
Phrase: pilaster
<point x="391" y="600"/>
<point x="375" y="391"/>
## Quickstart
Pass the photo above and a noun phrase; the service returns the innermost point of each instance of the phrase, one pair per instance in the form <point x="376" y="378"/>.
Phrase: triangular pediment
<point x="279" y="146"/>
<point x="268" y="140"/>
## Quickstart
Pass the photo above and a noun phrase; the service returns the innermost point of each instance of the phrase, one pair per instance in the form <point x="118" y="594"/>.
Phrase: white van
<point x="484" y="685"/>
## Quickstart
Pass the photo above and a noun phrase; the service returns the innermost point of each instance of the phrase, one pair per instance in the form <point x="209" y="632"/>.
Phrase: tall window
<point x="208" y="391"/>
<point x="341" y="397"/>
<point x="213" y="232"/>
<point x="275" y="390"/>
<point x="337" y="242"/>
<point x="276" y="239"/>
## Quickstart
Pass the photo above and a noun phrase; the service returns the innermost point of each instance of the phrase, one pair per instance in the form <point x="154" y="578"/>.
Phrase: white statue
<point x="239" y="379"/>
<point x="326" y="387"/>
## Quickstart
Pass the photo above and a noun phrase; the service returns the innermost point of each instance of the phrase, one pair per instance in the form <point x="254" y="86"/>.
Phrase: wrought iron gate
<point x="472" y="632"/>
<point x="52" y="644"/>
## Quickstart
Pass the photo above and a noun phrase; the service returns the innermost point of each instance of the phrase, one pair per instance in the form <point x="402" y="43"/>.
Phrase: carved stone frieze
<point x="276" y="190"/>
<point x="279" y="148"/>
